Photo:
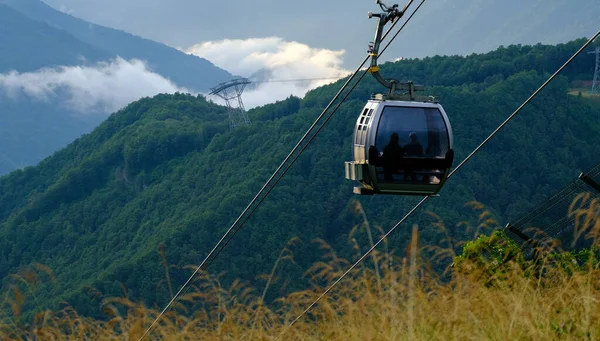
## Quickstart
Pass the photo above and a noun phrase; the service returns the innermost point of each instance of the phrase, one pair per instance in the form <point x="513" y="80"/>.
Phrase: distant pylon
<point x="596" y="82"/>
<point x="232" y="91"/>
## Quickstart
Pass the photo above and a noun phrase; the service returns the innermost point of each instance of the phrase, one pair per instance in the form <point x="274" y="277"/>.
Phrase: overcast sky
<point x="308" y="38"/>
<point x="183" y="23"/>
<point x="343" y="24"/>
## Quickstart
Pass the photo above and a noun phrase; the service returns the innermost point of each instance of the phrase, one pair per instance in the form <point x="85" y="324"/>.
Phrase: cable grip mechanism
<point x="390" y="13"/>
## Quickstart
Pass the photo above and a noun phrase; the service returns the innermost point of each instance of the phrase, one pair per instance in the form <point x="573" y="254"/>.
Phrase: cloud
<point x="66" y="10"/>
<point x="275" y="59"/>
<point x="109" y="86"/>
<point x="102" y="88"/>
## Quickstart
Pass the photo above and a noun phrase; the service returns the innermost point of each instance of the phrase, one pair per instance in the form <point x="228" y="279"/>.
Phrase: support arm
<point x="390" y="14"/>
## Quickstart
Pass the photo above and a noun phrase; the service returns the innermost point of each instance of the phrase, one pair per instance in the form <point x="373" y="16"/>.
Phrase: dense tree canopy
<point x="168" y="171"/>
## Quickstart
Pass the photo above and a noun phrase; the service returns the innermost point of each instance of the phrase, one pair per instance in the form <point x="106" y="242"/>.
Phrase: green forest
<point x="167" y="173"/>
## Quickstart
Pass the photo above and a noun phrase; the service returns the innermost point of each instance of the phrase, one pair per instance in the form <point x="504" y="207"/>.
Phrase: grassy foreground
<point x="388" y="298"/>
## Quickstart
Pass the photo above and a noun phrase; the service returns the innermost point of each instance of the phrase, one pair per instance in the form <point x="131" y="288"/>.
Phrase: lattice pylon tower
<point x="596" y="82"/>
<point x="231" y="93"/>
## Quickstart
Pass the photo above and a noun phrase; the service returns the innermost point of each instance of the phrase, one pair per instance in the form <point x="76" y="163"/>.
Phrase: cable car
<point x="402" y="143"/>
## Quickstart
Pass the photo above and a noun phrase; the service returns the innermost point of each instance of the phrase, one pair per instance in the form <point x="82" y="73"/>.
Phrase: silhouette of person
<point x="392" y="153"/>
<point x="412" y="148"/>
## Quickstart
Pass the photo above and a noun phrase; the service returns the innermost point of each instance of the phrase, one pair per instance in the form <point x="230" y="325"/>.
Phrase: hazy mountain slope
<point x="30" y="128"/>
<point x="167" y="170"/>
<point x="28" y="45"/>
<point x="34" y="36"/>
<point x="448" y="27"/>
<point x="188" y="71"/>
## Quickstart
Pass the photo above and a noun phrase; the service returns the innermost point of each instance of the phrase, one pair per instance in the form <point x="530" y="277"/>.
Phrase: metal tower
<point x="231" y="91"/>
<point x="596" y="82"/>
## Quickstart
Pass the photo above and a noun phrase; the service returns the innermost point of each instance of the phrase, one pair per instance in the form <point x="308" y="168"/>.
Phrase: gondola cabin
<point x="401" y="147"/>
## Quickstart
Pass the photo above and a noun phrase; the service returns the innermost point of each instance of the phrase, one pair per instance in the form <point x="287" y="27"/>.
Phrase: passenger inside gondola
<point x="413" y="145"/>
<point x="392" y="156"/>
<point x="415" y="149"/>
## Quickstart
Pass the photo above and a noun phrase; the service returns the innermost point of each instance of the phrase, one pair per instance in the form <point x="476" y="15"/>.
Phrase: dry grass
<point x="388" y="298"/>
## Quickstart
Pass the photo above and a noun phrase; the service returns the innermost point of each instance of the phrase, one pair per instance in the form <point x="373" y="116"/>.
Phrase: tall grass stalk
<point x="400" y="298"/>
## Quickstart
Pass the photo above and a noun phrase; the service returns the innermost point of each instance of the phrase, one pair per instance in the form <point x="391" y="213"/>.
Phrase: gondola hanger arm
<point x="390" y="13"/>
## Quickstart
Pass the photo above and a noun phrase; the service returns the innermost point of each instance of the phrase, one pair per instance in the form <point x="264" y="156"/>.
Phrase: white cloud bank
<point x="283" y="60"/>
<point x="109" y="86"/>
<point x="105" y="87"/>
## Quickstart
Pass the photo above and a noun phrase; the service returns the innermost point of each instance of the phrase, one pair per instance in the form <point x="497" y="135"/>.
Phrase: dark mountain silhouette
<point x="191" y="72"/>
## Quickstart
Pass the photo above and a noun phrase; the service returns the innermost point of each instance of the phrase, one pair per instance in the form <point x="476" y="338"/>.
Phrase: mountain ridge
<point x="21" y="39"/>
<point x="33" y="128"/>
<point x="192" y="72"/>
<point x="37" y="43"/>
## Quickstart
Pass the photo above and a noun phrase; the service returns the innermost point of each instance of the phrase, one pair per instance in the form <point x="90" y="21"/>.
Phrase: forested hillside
<point x="167" y="171"/>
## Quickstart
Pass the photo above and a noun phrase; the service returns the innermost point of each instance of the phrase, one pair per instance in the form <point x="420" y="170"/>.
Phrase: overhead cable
<point x="267" y="187"/>
<point x="363" y="257"/>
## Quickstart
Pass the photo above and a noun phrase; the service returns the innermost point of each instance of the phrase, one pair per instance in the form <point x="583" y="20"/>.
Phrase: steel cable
<point x="226" y="238"/>
<point x="363" y="257"/>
